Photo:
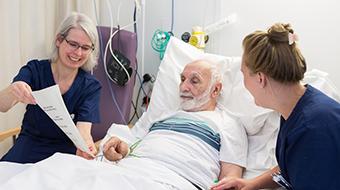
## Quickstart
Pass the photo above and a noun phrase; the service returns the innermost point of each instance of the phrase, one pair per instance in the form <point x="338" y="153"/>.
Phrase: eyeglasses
<point x="75" y="45"/>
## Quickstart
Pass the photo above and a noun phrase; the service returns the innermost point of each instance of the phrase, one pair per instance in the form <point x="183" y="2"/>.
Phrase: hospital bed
<point x="261" y="124"/>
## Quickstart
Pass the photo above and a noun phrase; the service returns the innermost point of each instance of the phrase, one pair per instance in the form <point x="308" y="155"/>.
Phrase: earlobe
<point x="58" y="40"/>
<point x="217" y="90"/>
<point x="57" y="43"/>
<point x="261" y="79"/>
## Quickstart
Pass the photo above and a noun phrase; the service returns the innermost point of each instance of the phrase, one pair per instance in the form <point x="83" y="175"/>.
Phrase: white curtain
<point x="27" y="31"/>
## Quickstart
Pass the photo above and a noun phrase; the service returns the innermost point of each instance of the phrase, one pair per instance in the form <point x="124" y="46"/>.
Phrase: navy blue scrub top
<point x="308" y="145"/>
<point x="40" y="137"/>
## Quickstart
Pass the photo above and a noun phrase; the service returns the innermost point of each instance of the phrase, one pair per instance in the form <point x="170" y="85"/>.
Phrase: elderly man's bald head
<point x="200" y="86"/>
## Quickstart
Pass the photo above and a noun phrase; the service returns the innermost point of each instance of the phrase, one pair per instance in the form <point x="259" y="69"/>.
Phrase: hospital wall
<point x="315" y="21"/>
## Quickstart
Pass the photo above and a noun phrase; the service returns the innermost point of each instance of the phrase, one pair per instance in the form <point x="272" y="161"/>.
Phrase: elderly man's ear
<point x="217" y="90"/>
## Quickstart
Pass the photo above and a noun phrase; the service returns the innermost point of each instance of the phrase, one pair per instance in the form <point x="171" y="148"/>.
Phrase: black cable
<point x="146" y="78"/>
<point x="135" y="106"/>
<point x="135" y="18"/>
<point x="118" y="36"/>
<point x="135" y="111"/>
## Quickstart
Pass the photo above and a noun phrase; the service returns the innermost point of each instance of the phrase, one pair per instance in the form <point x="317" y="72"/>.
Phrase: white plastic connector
<point x="221" y="24"/>
<point x="139" y="4"/>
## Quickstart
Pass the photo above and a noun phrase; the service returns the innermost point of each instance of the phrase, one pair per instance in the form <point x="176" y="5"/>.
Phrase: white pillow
<point x="165" y="94"/>
<point x="321" y="81"/>
<point x="234" y="96"/>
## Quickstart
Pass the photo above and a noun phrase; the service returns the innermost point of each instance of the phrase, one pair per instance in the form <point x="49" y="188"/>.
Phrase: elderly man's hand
<point x="115" y="149"/>
<point x="232" y="183"/>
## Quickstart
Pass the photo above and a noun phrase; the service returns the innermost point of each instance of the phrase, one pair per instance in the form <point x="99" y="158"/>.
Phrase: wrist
<point x="128" y="152"/>
<point x="254" y="184"/>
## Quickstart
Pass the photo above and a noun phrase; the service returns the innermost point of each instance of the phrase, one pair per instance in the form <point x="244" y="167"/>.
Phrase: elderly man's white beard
<point x="196" y="103"/>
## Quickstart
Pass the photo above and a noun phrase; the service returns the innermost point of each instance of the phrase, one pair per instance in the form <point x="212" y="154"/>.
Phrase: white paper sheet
<point x="51" y="102"/>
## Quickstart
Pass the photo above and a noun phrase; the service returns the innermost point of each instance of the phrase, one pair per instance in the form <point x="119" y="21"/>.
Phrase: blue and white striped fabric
<point x="199" y="129"/>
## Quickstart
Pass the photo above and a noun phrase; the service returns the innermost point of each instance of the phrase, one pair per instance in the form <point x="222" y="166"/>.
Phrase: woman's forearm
<point x="7" y="99"/>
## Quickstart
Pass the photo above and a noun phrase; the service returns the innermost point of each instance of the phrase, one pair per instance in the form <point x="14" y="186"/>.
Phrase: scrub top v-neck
<point x="40" y="137"/>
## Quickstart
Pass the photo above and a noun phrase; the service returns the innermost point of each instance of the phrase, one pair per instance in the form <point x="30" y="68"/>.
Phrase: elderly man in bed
<point x="200" y="143"/>
<point x="187" y="149"/>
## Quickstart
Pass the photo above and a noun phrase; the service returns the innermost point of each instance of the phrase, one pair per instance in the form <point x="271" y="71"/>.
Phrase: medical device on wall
<point x="148" y="82"/>
<point x="118" y="68"/>
<point x="197" y="38"/>
<point x="159" y="41"/>
<point x="220" y="24"/>
<point x="161" y="38"/>
<point x="116" y="65"/>
<point x="200" y="36"/>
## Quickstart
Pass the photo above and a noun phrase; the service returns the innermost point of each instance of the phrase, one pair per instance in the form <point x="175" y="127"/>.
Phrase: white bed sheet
<point x="9" y="170"/>
<point x="68" y="172"/>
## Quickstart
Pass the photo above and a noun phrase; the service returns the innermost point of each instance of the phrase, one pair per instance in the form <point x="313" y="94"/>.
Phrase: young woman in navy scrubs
<point x="308" y="144"/>
<point x="75" y="54"/>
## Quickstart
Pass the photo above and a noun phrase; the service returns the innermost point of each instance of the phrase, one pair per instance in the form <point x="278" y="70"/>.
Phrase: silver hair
<point x="216" y="75"/>
<point x="78" y="20"/>
<point x="216" y="72"/>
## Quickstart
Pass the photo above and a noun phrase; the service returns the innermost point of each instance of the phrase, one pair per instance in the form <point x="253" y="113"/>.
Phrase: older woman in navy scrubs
<point x="74" y="55"/>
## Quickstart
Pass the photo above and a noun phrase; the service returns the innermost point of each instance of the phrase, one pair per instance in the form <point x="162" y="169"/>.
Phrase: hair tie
<point x="292" y="38"/>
